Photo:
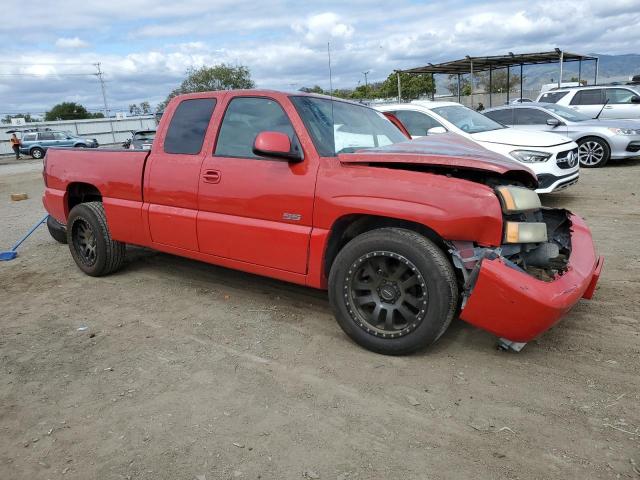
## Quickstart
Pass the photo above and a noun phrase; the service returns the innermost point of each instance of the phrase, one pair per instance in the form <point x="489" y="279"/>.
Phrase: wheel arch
<point x="81" y="192"/>
<point x="348" y="227"/>
<point x="597" y="137"/>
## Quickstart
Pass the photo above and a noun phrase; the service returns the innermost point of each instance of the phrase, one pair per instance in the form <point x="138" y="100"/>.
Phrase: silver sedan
<point x="599" y="140"/>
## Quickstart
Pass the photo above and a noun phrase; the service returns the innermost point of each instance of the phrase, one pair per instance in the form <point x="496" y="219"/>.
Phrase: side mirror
<point x="635" y="99"/>
<point x="436" y="130"/>
<point x="276" y="145"/>
<point x="553" y="122"/>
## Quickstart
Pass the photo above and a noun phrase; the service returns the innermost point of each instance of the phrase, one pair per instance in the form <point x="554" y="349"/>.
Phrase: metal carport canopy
<point x="472" y="65"/>
<point x="482" y="64"/>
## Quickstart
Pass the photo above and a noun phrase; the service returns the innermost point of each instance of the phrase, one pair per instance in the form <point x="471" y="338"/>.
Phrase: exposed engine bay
<point x="544" y="261"/>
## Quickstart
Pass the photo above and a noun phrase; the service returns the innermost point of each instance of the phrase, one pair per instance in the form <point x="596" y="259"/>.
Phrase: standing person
<point x="15" y="145"/>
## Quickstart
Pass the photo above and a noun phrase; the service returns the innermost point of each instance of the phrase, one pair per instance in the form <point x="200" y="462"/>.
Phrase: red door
<point x="254" y="209"/>
<point x="173" y="171"/>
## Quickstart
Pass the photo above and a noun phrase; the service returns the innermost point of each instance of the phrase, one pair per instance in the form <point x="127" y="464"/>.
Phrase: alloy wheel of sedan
<point x="593" y="152"/>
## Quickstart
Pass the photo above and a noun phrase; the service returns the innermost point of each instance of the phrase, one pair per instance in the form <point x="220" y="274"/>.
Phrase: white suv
<point x="619" y="101"/>
<point x="553" y="158"/>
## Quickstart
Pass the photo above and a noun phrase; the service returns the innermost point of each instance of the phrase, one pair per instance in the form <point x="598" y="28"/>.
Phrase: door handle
<point x="211" y="176"/>
<point x="608" y="107"/>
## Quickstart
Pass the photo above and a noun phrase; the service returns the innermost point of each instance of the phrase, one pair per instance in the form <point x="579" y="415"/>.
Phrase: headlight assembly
<point x="624" y="131"/>
<point x="530" y="156"/>
<point x="518" y="199"/>
<point x="521" y="232"/>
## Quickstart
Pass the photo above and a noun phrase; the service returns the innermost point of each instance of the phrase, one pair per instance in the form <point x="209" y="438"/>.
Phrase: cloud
<point x="284" y="43"/>
<point x="322" y="28"/>
<point x="74" y="42"/>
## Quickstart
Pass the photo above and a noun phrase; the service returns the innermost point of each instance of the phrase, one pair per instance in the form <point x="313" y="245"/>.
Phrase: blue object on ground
<point x="11" y="254"/>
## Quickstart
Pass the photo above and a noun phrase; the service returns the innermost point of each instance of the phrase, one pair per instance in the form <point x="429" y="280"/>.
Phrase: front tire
<point x="57" y="230"/>
<point x="90" y="242"/>
<point x="37" y="153"/>
<point x="593" y="152"/>
<point x="393" y="291"/>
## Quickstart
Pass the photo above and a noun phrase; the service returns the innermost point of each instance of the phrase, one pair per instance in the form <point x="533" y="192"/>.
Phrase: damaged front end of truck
<point x="544" y="265"/>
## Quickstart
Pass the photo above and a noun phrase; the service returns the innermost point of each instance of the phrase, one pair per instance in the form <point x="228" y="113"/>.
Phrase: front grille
<point x="567" y="159"/>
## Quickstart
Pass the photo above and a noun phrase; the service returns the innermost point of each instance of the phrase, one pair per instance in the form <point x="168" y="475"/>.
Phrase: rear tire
<point x="393" y="291"/>
<point x="37" y="153"/>
<point x="90" y="242"/>
<point x="593" y="152"/>
<point x="57" y="230"/>
<point x="80" y="145"/>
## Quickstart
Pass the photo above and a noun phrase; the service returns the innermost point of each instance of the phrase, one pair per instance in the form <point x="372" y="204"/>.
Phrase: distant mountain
<point x="610" y="68"/>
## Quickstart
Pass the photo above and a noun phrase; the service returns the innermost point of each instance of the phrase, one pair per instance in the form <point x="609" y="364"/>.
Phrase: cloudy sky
<point x="145" y="46"/>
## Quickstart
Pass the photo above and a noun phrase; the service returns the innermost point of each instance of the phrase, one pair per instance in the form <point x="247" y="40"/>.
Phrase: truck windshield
<point x="340" y="127"/>
<point x="466" y="119"/>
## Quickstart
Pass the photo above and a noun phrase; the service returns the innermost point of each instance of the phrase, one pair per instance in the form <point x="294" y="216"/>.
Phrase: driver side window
<point x="416" y="123"/>
<point x="244" y="119"/>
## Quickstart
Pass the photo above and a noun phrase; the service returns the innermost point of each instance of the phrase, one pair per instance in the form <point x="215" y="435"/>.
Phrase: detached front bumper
<point x="514" y="305"/>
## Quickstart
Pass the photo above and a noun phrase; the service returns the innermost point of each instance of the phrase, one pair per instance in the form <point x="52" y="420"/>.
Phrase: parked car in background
<point x="604" y="101"/>
<point x="521" y="100"/>
<point x="142" y="140"/>
<point x="553" y="158"/>
<point x="37" y="143"/>
<point x="598" y="140"/>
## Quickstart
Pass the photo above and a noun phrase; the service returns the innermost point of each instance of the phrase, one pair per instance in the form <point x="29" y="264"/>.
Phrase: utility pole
<point x="104" y="92"/>
<point x="366" y="84"/>
<point x="104" y="99"/>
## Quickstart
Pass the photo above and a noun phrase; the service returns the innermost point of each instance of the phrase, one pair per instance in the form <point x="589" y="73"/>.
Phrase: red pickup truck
<point x="405" y="235"/>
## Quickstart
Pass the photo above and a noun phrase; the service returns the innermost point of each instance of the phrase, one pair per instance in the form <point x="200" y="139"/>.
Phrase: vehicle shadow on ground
<point x="140" y="259"/>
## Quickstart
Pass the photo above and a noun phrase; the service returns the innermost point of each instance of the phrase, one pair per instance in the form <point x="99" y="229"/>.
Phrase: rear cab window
<point x="188" y="126"/>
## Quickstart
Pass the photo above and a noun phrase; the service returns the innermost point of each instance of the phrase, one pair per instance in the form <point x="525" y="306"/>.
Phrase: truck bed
<point x="117" y="173"/>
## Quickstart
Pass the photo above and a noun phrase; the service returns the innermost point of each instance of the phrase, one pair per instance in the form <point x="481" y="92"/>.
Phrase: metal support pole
<point x="521" y="81"/>
<point x="459" y="93"/>
<point x="490" y="86"/>
<point x="508" y="83"/>
<point x="580" y="70"/>
<point x="596" y="79"/>
<point x="433" y="92"/>
<point x="472" y="89"/>
<point x="399" y="88"/>
<point x="561" y="65"/>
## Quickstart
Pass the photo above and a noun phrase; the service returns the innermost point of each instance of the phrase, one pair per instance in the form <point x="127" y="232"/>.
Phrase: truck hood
<point x="447" y="151"/>
<point x="520" y="138"/>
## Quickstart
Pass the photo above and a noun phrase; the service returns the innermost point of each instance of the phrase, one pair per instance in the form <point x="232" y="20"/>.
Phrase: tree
<point x="452" y="85"/>
<point x="134" y="109"/>
<point x="314" y="89"/>
<point x="412" y="86"/>
<point x="498" y="81"/>
<point x="26" y="116"/>
<point x="206" y="79"/>
<point x="145" y="107"/>
<point x="68" y="111"/>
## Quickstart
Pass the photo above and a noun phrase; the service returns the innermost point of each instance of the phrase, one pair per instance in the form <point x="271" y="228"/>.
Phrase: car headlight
<point x="521" y="232"/>
<point x="518" y="199"/>
<point x="624" y="131"/>
<point x="90" y="140"/>
<point x="530" y="156"/>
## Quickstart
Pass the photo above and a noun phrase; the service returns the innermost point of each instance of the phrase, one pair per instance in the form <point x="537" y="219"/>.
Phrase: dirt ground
<point x="189" y="371"/>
